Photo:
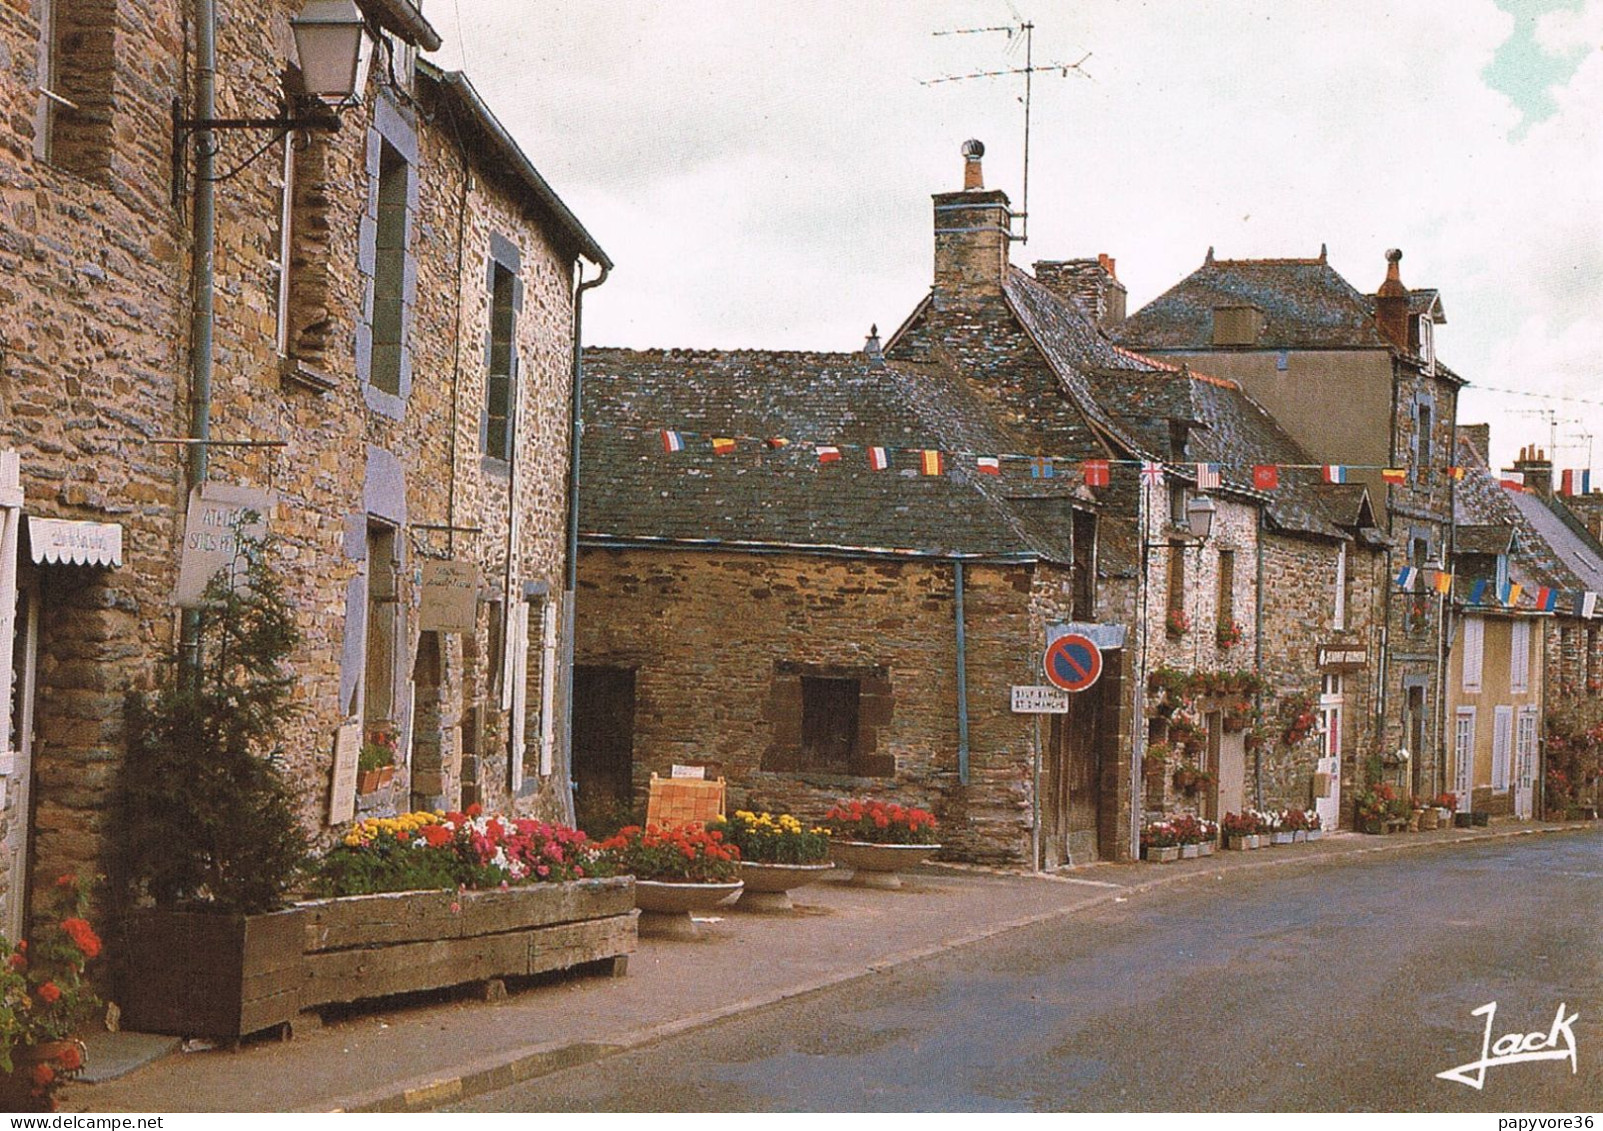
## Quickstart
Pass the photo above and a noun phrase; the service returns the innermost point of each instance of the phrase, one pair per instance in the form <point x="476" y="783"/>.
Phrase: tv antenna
<point x="1022" y="31"/>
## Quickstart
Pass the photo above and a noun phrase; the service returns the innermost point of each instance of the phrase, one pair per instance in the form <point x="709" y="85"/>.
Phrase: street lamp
<point x="328" y="47"/>
<point x="1199" y="517"/>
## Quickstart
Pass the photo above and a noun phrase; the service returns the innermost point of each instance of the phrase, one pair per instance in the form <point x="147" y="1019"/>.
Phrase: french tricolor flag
<point x="672" y="441"/>
<point x="1335" y="473"/>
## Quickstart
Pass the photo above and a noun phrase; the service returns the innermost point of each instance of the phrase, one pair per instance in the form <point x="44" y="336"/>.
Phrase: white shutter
<point x="1463" y="756"/>
<point x="1474" y="640"/>
<point x="1519" y="658"/>
<point x="1502" y="747"/>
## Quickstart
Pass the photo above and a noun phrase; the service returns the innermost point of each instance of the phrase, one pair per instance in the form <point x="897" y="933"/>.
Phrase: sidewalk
<point x="419" y="1056"/>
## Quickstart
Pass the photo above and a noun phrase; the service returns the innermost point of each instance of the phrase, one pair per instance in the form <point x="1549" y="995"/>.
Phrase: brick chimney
<point x="1090" y="281"/>
<point x="1391" y="304"/>
<point x="1536" y="471"/>
<point x="971" y="237"/>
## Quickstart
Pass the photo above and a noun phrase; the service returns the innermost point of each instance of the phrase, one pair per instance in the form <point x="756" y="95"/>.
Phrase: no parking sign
<point x="1072" y="662"/>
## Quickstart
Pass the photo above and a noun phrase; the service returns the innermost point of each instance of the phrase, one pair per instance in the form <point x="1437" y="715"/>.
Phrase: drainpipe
<point x="570" y="571"/>
<point x="1257" y="660"/>
<point x="202" y="284"/>
<point x="962" y="684"/>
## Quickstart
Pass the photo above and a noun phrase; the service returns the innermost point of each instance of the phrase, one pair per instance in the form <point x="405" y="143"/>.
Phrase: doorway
<point x="1079" y="756"/>
<point x="603" y="744"/>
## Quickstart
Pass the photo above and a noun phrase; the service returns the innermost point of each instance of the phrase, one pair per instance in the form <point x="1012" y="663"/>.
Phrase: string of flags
<point x="1095" y="472"/>
<point x="1486" y="591"/>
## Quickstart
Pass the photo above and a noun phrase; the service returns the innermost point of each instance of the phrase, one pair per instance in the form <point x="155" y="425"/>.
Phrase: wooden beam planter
<point x="197" y="975"/>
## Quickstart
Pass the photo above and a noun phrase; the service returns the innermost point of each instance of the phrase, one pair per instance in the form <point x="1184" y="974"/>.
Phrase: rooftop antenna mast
<point x="1021" y="31"/>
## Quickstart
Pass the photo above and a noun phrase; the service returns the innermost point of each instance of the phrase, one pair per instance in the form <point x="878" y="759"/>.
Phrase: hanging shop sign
<point x="218" y="516"/>
<point x="450" y="596"/>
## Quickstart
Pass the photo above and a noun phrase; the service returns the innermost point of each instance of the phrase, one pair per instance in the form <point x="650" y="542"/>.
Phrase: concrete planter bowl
<point x="665" y="907"/>
<point x="877" y="865"/>
<point x="768" y="886"/>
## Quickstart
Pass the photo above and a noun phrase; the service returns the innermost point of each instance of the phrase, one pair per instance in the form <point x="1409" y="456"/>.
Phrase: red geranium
<point x="880" y="822"/>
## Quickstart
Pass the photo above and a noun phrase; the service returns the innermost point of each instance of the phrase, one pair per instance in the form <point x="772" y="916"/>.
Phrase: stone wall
<point x="717" y="639"/>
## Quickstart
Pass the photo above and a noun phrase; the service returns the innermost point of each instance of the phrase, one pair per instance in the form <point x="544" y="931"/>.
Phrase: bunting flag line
<point x="988" y="465"/>
<point x="1455" y="472"/>
<point x="1096" y="472"/>
<point x="1442" y="582"/>
<point x="774" y="443"/>
<point x="1477" y="592"/>
<point x="1152" y="472"/>
<point x="1207" y="477"/>
<point x="672" y="441"/>
<point x="1511" y="485"/>
<point x="1576" y="482"/>
<point x="929" y="461"/>
<point x="878" y="459"/>
<point x="722" y="445"/>
<point x="1566" y="482"/>
<point x="1265" y="476"/>
<point x="1514" y="590"/>
<point x="1546" y="599"/>
<point x="1586" y="605"/>
<point x="1394" y="475"/>
<point x="828" y="454"/>
<point x="1040" y="467"/>
<point x="1334" y="473"/>
<point x="1406" y="578"/>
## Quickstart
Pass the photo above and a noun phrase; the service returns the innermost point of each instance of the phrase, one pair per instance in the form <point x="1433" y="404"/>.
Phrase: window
<point x="1178" y="497"/>
<point x="1519" y="657"/>
<point x="1339" y="620"/>
<point x="1427" y="343"/>
<point x="829" y="723"/>
<point x="1474" y="639"/>
<point x="76" y="72"/>
<point x="1177" y="577"/>
<point x="1084" y="532"/>
<point x="1525" y="746"/>
<point x="500" y="380"/>
<point x="1331" y="701"/>
<point x="283" y="249"/>
<point x="383" y="615"/>
<point x="1227" y="589"/>
<point x="389" y="271"/>
<point x="1593" y="682"/>
<point x="1422" y="441"/>
<point x="1502" y="747"/>
<point x="1463" y="755"/>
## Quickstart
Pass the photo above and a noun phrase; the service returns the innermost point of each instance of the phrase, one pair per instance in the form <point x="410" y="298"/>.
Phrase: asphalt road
<point x="1342" y="987"/>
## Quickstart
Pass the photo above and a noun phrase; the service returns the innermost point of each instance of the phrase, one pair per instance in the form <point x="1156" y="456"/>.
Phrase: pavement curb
<point x="425" y="1094"/>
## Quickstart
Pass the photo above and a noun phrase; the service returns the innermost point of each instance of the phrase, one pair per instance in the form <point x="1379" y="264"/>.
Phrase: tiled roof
<point x="633" y="490"/>
<point x="1305" y="304"/>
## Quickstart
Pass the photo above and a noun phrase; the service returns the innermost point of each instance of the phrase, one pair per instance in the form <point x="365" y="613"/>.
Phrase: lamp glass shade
<point x="328" y="42"/>
<point x="1199" y="516"/>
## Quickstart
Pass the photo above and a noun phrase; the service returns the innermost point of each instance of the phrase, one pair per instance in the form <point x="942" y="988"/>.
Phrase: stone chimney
<point x="872" y="349"/>
<point x="1536" y="471"/>
<point x="1090" y="281"/>
<point x="1391" y="304"/>
<point x="972" y="233"/>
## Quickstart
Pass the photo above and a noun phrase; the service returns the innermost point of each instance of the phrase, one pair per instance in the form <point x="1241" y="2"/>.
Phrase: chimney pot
<point x="973" y="177"/>
<point x="1391" y="304"/>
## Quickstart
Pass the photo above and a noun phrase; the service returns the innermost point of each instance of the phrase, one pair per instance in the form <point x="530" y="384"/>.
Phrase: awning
<point x="61" y="541"/>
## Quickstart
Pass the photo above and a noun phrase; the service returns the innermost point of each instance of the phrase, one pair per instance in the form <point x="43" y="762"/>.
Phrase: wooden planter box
<point x="194" y="974"/>
<point x="370" y="946"/>
<point x="197" y="975"/>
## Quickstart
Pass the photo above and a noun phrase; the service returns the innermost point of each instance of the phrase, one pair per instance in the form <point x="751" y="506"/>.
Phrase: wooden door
<point x="603" y="737"/>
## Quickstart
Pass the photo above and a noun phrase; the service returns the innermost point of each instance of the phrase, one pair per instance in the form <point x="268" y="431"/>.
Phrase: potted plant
<point x="44" y="998"/>
<point x="211" y="840"/>
<point x="1297" y="822"/>
<point x="1228" y="635"/>
<point x="1160" y="842"/>
<point x="1195" y="835"/>
<point x="878" y="838"/>
<point x="1240" y="830"/>
<point x="777" y="855"/>
<point x="1190" y="778"/>
<point x="1176" y="623"/>
<point x="677" y="869"/>
<point x="374" y="761"/>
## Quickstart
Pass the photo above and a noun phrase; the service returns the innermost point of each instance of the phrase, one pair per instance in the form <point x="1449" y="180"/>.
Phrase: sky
<point x="760" y="173"/>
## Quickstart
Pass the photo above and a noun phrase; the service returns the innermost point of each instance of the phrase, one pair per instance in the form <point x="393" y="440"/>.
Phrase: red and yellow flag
<point x="929" y="461"/>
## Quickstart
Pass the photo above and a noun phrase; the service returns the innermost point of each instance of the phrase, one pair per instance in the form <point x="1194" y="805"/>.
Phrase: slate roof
<point x="634" y="490"/>
<point x="1305" y="303"/>
<point x="1547" y="551"/>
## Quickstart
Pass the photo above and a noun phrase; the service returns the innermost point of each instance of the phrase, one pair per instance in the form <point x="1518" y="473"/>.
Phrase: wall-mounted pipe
<point x="962" y="682"/>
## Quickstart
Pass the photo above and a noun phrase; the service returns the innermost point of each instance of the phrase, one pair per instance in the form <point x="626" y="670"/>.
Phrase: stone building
<point x="1355" y="380"/>
<point x="391" y="319"/>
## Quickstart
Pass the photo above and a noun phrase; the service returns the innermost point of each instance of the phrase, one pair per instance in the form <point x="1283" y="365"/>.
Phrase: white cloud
<point x="761" y="173"/>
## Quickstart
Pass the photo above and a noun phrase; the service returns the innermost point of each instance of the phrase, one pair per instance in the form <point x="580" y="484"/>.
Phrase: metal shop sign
<point x="1039" y="700"/>
<point x="450" y="596"/>
<point x="218" y="517"/>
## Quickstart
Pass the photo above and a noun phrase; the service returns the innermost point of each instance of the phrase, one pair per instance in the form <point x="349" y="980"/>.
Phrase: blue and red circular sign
<point x="1072" y="662"/>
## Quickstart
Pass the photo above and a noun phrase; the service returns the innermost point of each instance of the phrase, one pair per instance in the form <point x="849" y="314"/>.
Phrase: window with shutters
<point x="1502" y="747"/>
<point x="1474" y="640"/>
<point x="1463" y="755"/>
<point x="1519" y="657"/>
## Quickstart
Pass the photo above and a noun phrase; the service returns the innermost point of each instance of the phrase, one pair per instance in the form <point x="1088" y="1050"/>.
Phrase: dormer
<point x="1239" y="324"/>
<point x="1482" y="552"/>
